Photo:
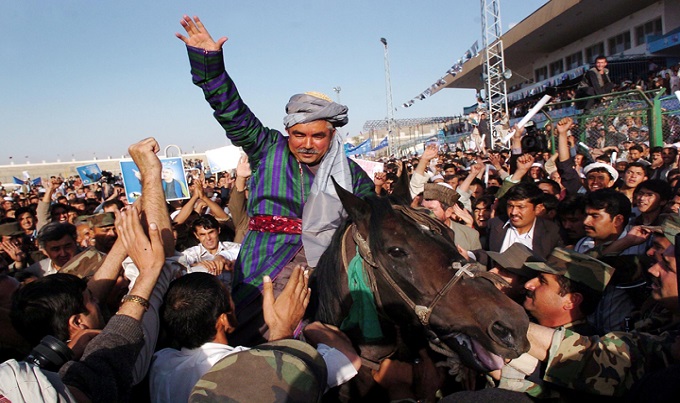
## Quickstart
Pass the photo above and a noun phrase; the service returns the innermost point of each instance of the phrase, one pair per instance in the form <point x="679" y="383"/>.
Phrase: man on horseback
<point x="293" y="206"/>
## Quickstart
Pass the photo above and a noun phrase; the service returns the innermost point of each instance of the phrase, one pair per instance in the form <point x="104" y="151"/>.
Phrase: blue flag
<point x="362" y="148"/>
<point x="384" y="143"/>
<point x="17" y="181"/>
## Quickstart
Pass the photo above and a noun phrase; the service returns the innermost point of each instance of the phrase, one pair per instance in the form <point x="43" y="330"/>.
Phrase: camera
<point x="533" y="141"/>
<point x="50" y="354"/>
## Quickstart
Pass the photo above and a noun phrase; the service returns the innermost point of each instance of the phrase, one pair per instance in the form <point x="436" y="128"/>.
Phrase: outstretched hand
<point x="198" y="35"/>
<point x="146" y="252"/>
<point x="284" y="313"/>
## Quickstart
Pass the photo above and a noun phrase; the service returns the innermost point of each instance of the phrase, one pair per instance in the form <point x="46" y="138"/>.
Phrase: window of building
<point x="541" y="73"/>
<point x="594" y="51"/>
<point x="649" y="28"/>
<point x="575" y="60"/>
<point x="556" y="68"/>
<point x="619" y="43"/>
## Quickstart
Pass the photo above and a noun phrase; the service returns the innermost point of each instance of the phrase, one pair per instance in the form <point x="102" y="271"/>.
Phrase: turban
<point x="311" y="106"/>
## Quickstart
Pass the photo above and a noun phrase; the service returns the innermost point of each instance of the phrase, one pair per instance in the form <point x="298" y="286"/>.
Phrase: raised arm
<point x="153" y="199"/>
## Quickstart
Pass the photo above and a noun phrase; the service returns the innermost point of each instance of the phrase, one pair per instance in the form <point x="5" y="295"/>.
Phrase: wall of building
<point x="627" y="24"/>
<point x="63" y="169"/>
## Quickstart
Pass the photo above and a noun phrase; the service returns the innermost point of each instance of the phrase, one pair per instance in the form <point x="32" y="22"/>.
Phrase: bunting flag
<point x="453" y="71"/>
<point x="361" y="149"/>
<point x="384" y="143"/>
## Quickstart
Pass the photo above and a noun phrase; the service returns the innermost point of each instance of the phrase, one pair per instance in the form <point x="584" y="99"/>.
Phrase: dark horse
<point x="422" y="294"/>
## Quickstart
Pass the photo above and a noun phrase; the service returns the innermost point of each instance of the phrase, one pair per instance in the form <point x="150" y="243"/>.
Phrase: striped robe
<point x="279" y="184"/>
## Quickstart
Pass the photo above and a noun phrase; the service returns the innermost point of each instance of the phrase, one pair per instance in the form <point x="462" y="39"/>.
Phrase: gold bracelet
<point x="136" y="299"/>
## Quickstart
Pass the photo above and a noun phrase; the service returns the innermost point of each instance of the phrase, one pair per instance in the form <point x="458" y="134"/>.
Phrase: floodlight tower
<point x="494" y="74"/>
<point x="390" y="108"/>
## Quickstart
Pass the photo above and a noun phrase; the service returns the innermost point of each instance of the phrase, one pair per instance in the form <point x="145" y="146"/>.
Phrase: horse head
<point x="421" y="279"/>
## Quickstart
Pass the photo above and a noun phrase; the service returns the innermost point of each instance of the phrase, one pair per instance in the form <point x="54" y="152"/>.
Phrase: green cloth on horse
<point x="363" y="312"/>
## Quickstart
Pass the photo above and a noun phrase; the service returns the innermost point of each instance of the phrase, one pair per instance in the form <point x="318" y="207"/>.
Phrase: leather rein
<point x="422" y="312"/>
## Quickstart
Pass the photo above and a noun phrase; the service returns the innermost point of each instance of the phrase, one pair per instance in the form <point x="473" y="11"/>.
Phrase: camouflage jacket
<point x="607" y="365"/>
<point x="524" y="374"/>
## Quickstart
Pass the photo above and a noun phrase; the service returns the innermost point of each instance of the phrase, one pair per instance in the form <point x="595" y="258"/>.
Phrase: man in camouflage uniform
<point x="565" y="289"/>
<point x="610" y="365"/>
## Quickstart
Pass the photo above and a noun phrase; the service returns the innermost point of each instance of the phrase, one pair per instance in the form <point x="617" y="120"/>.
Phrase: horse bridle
<point x="422" y="312"/>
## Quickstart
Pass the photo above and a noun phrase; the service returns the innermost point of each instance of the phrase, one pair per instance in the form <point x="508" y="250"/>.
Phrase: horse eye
<point x="397" y="252"/>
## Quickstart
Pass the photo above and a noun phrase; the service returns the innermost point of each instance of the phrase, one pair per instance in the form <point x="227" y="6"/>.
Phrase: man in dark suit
<point x="523" y="225"/>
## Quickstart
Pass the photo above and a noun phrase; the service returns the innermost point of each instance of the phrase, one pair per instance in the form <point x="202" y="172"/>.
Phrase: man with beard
<point x="481" y="213"/>
<point x="571" y="213"/>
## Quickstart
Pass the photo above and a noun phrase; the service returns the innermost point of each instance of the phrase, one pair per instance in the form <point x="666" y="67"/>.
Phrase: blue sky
<point x="88" y="78"/>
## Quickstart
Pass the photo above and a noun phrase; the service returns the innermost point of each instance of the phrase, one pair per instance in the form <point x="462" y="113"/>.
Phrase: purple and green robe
<point x="279" y="184"/>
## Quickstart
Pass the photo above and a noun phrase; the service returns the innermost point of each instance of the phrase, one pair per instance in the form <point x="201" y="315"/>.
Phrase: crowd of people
<point x="194" y="299"/>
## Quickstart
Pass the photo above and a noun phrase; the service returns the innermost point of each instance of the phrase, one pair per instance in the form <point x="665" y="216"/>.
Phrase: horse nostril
<point x="503" y="334"/>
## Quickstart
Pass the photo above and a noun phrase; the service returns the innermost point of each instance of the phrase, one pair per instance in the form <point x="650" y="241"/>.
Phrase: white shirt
<point x="198" y="253"/>
<point x="513" y="236"/>
<point x="174" y="373"/>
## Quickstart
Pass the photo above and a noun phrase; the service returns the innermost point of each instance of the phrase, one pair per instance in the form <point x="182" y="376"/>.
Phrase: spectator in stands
<point x="596" y="81"/>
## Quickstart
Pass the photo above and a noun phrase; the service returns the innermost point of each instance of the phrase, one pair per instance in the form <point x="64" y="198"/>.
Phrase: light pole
<point x="337" y="92"/>
<point x="390" y="108"/>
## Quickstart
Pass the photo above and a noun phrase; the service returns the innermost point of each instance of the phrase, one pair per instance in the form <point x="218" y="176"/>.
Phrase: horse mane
<point x="328" y="271"/>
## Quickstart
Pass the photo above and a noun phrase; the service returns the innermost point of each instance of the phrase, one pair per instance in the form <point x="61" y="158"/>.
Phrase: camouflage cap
<point x="82" y="219"/>
<point x="576" y="267"/>
<point x="441" y="192"/>
<point x="284" y="370"/>
<point x="513" y="259"/>
<point x="103" y="220"/>
<point x="84" y="264"/>
<point x="669" y="228"/>
<point x="10" y="229"/>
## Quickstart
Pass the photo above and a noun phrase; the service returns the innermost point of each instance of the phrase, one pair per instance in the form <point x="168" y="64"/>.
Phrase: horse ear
<point x="401" y="192"/>
<point x="357" y="209"/>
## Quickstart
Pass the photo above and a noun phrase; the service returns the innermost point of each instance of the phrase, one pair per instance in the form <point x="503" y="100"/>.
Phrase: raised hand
<point x="198" y="35"/>
<point x="430" y="152"/>
<point x="243" y="168"/>
<point x="284" y="313"/>
<point x="144" y="156"/>
<point x="146" y="252"/>
<point x="564" y="125"/>
<point x="524" y="162"/>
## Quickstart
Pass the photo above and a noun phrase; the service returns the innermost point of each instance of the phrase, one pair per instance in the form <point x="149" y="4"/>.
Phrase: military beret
<point x="513" y="259"/>
<point x="10" y="229"/>
<point x="284" y="370"/>
<point x="669" y="228"/>
<point x="103" y="220"/>
<point x="576" y="267"/>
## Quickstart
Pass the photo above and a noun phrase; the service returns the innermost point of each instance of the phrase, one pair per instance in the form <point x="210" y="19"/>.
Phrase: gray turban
<point x="311" y="106"/>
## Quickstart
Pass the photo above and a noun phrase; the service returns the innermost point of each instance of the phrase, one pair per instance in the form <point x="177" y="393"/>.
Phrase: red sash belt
<point x="275" y="224"/>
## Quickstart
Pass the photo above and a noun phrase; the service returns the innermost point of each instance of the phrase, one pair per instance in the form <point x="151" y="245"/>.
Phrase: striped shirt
<point x="279" y="184"/>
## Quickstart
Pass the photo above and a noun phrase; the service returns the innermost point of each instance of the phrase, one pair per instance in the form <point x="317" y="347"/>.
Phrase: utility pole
<point x="494" y="74"/>
<point x="391" y="124"/>
<point x="337" y="92"/>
